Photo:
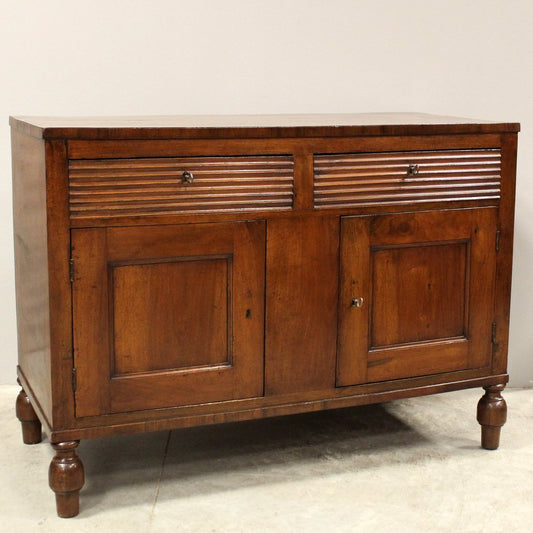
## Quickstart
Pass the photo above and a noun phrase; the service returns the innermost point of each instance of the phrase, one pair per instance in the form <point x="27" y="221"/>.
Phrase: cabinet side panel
<point x="504" y="257"/>
<point x="302" y="282"/>
<point x="31" y="267"/>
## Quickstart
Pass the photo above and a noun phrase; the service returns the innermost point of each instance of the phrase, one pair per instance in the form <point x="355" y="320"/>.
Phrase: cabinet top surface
<point x="252" y="126"/>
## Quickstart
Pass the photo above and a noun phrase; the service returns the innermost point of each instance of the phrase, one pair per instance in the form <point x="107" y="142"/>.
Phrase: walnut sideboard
<point x="189" y="270"/>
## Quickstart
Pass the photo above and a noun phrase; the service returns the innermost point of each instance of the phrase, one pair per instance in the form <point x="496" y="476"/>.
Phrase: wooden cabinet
<point x="181" y="271"/>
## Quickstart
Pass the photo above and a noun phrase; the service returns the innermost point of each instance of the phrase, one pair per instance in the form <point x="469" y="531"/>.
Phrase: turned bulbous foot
<point x="66" y="478"/>
<point x="492" y="415"/>
<point x="31" y="425"/>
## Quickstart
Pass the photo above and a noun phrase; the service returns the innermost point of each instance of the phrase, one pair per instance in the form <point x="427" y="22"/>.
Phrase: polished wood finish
<point x="492" y="415"/>
<point x="66" y="478"/>
<point x="505" y="255"/>
<point x="279" y="405"/>
<point x="349" y="180"/>
<point x="301" y="276"/>
<point x="426" y="284"/>
<point x="151" y="335"/>
<point x="31" y="267"/>
<point x="122" y="187"/>
<point x="252" y="126"/>
<point x="31" y="425"/>
<point x="308" y="263"/>
<point x="299" y="146"/>
<point x="167" y="316"/>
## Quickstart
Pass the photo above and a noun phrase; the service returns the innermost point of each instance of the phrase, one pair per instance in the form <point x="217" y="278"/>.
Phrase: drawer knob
<point x="412" y="170"/>
<point x="187" y="177"/>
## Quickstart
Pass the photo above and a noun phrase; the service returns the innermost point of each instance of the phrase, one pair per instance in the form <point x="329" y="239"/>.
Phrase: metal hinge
<point x="71" y="269"/>
<point x="74" y="379"/>
<point x="493" y="333"/>
<point x="498" y="241"/>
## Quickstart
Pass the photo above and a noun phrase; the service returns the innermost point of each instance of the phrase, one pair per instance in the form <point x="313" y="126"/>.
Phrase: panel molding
<point x="135" y="311"/>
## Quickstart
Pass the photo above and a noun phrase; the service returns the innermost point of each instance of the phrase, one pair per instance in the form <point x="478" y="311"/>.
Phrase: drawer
<point x="170" y="185"/>
<point x="357" y="179"/>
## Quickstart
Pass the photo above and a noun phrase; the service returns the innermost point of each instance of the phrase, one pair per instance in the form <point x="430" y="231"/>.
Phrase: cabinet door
<point x="167" y="315"/>
<point x="416" y="294"/>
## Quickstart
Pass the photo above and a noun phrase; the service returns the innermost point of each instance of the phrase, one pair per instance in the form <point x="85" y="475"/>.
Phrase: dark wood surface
<point x="302" y="266"/>
<point x="314" y="262"/>
<point x="492" y="415"/>
<point x="31" y="426"/>
<point x="299" y="146"/>
<point x="279" y="405"/>
<point x="195" y="293"/>
<point x="66" y="477"/>
<point x="351" y="180"/>
<point x="427" y="289"/>
<point x="59" y="285"/>
<point x="152" y="335"/>
<point x="505" y="255"/>
<point x="254" y="126"/>
<point x="122" y="187"/>
<point x="31" y="269"/>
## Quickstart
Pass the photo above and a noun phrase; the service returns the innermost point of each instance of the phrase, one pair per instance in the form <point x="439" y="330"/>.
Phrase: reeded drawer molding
<point x="129" y="187"/>
<point x="346" y="180"/>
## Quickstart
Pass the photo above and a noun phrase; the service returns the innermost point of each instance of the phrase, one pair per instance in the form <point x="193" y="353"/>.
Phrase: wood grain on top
<point x="252" y="126"/>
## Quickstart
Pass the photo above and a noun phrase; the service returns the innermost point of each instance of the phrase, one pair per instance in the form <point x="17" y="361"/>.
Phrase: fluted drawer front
<point x="346" y="180"/>
<point x="129" y="187"/>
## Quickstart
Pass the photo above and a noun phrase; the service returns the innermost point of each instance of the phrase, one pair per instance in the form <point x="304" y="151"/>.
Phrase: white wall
<point x="98" y="57"/>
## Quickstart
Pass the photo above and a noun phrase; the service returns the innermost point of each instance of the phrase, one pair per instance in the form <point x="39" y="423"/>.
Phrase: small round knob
<point x="187" y="177"/>
<point x="412" y="170"/>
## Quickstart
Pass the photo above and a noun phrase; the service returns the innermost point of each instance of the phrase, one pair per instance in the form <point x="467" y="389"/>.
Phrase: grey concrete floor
<point x="413" y="465"/>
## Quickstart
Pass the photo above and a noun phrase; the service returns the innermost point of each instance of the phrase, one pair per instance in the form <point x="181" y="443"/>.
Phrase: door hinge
<point x="493" y="339"/>
<point x="74" y="380"/>
<point x="498" y="241"/>
<point x="71" y="269"/>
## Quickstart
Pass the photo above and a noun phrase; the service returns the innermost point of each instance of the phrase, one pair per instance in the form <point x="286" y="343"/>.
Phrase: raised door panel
<point x="152" y="333"/>
<point x="417" y="294"/>
<point x="166" y="316"/>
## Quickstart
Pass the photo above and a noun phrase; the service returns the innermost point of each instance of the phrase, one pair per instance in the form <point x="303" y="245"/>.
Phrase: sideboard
<point x="189" y="270"/>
